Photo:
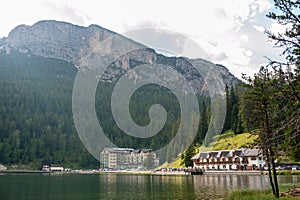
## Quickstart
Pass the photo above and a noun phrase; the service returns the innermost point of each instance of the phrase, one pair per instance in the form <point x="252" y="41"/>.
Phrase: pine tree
<point x="227" y="123"/>
<point x="203" y="125"/>
<point x="286" y="13"/>
<point x="236" y="121"/>
<point x="186" y="158"/>
<point x="264" y="106"/>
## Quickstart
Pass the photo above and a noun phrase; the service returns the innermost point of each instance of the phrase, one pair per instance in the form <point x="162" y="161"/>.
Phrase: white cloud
<point x="277" y="28"/>
<point x="263" y="5"/>
<point x="248" y="53"/>
<point x="259" y="28"/>
<point x="67" y="12"/>
<point x="244" y="38"/>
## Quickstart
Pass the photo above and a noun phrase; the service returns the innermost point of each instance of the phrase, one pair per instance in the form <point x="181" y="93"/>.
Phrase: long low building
<point x="53" y="168"/>
<point x="239" y="159"/>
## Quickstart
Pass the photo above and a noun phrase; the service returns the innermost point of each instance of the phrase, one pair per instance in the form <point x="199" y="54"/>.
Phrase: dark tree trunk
<point x="274" y="173"/>
<point x="270" y="172"/>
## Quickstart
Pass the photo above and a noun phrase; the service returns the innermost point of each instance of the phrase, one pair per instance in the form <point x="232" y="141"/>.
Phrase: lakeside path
<point x="22" y="171"/>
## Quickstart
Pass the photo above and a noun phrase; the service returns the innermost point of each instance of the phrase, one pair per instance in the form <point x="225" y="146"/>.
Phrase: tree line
<point x="274" y="92"/>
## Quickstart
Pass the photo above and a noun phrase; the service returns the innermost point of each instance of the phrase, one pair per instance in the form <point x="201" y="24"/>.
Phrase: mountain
<point x="71" y="43"/>
<point x="38" y="66"/>
<point x="53" y="39"/>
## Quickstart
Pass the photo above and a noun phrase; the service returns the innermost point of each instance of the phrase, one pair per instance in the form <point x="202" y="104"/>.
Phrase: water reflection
<point x="120" y="186"/>
<point x="221" y="185"/>
<point x="114" y="186"/>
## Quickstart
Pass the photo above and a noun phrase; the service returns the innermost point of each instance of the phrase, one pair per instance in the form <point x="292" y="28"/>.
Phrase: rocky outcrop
<point x="53" y="39"/>
<point x="2" y="41"/>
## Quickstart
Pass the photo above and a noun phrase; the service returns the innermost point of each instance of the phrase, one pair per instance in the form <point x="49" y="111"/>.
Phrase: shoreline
<point x="148" y="172"/>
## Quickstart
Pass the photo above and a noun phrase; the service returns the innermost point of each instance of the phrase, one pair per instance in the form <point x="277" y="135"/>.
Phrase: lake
<point x="127" y="186"/>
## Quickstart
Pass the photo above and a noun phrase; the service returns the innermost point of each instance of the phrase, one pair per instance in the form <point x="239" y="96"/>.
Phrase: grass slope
<point x="227" y="140"/>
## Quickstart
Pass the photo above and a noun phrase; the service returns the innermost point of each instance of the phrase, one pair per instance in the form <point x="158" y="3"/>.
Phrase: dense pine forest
<point x="36" y="123"/>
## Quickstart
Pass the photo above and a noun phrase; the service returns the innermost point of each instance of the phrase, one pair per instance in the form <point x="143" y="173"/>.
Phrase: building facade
<point x="239" y="159"/>
<point x="53" y="168"/>
<point x="125" y="158"/>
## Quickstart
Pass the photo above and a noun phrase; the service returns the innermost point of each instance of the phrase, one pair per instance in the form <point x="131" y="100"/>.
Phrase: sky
<point x="231" y="32"/>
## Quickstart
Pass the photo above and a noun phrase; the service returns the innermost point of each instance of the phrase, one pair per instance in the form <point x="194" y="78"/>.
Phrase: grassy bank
<point x="288" y="172"/>
<point x="285" y="172"/>
<point x="227" y="140"/>
<point x="262" y="195"/>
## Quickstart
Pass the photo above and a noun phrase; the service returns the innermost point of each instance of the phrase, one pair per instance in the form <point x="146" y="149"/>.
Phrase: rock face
<point x="68" y="42"/>
<point x="52" y="39"/>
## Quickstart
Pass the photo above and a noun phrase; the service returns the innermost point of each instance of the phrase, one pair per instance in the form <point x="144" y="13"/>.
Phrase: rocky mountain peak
<point x="68" y="42"/>
<point x="55" y="39"/>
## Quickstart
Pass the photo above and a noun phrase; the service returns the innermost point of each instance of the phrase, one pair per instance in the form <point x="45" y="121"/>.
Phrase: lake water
<point x="120" y="186"/>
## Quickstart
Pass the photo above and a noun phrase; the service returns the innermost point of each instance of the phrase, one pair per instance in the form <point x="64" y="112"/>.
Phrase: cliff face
<point x="68" y="42"/>
<point x="52" y="39"/>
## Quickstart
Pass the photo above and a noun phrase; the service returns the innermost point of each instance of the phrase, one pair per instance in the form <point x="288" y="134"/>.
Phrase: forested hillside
<point x="36" y="123"/>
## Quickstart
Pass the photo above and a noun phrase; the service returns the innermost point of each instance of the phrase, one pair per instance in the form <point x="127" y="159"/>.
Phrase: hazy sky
<point x="230" y="31"/>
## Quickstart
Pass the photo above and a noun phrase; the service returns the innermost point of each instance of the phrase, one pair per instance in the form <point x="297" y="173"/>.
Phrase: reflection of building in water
<point x="239" y="159"/>
<point x="127" y="158"/>
<point x="216" y="186"/>
<point x="108" y="186"/>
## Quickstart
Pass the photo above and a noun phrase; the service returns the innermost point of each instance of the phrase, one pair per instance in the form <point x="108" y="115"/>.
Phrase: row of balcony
<point x="222" y="162"/>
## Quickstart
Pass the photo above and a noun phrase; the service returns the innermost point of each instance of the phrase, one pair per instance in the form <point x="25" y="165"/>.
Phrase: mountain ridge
<point x="69" y="42"/>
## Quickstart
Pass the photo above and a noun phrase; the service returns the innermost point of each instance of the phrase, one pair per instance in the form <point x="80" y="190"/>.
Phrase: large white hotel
<point x="125" y="158"/>
<point x="239" y="159"/>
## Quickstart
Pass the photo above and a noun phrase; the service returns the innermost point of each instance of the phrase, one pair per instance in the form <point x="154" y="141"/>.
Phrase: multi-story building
<point x="125" y="158"/>
<point x="239" y="159"/>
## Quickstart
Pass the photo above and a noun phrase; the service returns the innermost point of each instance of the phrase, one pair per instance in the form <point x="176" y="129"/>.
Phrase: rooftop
<point x="227" y="153"/>
<point x="126" y="150"/>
